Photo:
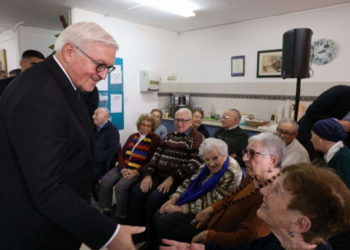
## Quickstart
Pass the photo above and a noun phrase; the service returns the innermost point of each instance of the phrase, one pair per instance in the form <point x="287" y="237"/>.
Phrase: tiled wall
<point x="260" y="99"/>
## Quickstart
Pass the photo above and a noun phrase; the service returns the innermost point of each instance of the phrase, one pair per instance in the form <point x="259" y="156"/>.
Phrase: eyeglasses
<point x="284" y="132"/>
<point x="100" y="67"/>
<point x="225" y="117"/>
<point x="181" y="120"/>
<point x="251" y="153"/>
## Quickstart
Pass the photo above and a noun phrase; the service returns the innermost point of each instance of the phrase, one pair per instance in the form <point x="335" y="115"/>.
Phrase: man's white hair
<point x="82" y="33"/>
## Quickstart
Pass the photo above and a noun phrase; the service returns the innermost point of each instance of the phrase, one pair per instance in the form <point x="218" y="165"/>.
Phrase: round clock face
<point x="323" y="51"/>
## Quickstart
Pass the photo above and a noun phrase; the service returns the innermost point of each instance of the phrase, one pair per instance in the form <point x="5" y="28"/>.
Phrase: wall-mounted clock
<point x="323" y="51"/>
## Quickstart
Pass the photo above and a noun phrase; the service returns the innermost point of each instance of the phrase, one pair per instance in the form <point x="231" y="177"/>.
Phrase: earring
<point x="291" y="234"/>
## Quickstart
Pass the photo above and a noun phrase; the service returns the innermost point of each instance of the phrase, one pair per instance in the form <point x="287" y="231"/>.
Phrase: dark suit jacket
<point x="4" y="83"/>
<point x="333" y="103"/>
<point x="46" y="165"/>
<point x="236" y="140"/>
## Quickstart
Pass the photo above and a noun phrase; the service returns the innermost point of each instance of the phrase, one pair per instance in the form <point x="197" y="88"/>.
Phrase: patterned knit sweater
<point x="227" y="184"/>
<point x="142" y="153"/>
<point x="176" y="156"/>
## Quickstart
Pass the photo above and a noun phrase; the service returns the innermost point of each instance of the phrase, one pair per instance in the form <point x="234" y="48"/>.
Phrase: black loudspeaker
<point x="296" y="53"/>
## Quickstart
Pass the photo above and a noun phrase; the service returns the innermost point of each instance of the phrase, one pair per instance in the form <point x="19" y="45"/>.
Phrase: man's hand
<point x="146" y="183"/>
<point x="175" y="245"/>
<point x="201" y="237"/>
<point x="123" y="241"/>
<point x="164" y="187"/>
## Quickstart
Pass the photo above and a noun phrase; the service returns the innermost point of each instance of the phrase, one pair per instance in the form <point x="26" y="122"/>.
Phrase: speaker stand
<point x="297" y="99"/>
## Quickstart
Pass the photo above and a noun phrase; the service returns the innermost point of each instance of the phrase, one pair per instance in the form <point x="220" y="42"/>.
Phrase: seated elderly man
<point x="287" y="130"/>
<point x="175" y="160"/>
<point x="230" y="132"/>
<point x="107" y="143"/>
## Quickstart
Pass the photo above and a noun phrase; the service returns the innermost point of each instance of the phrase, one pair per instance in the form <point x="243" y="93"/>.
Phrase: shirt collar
<point x="59" y="64"/>
<point x="233" y="127"/>
<point x="333" y="150"/>
<point x="187" y="132"/>
<point x="101" y="126"/>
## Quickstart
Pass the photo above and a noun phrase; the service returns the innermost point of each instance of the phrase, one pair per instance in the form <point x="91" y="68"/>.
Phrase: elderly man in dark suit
<point x="107" y="143"/>
<point x="47" y="147"/>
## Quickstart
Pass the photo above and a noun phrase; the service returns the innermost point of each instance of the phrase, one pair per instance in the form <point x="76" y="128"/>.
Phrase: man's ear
<point x="67" y="52"/>
<point x="22" y="63"/>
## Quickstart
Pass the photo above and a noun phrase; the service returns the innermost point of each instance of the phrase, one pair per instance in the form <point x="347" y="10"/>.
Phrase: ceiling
<point x="45" y="13"/>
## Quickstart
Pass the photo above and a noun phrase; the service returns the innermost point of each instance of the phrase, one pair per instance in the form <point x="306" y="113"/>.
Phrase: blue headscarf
<point x="196" y="189"/>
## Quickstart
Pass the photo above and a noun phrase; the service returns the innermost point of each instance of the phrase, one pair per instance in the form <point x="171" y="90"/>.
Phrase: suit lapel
<point x="78" y="106"/>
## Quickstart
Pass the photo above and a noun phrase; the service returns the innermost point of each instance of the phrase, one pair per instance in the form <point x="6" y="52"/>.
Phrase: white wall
<point x="36" y="38"/>
<point x="9" y="42"/>
<point x="24" y="38"/>
<point x="204" y="55"/>
<point x="142" y="48"/>
<point x="204" y="59"/>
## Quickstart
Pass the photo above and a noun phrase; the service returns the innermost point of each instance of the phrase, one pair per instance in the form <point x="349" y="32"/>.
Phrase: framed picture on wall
<point x="237" y="65"/>
<point x="3" y="62"/>
<point x="269" y="63"/>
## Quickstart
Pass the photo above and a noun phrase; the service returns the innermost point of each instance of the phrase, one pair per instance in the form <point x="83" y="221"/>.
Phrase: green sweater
<point x="341" y="163"/>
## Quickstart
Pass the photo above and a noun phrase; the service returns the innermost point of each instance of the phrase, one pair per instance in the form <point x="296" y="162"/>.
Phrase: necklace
<point x="229" y="200"/>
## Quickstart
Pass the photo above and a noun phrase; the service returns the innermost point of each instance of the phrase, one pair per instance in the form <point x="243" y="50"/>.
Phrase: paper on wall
<point x="116" y="104"/>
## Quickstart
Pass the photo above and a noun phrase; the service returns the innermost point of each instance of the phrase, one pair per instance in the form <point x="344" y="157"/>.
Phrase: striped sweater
<point x="176" y="156"/>
<point x="142" y="153"/>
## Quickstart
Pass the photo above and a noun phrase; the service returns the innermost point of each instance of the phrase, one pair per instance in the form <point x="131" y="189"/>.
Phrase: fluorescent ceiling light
<point x="179" y="7"/>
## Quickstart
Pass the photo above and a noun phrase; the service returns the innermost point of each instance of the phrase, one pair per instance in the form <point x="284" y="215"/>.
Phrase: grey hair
<point x="288" y="120"/>
<point x="237" y="113"/>
<point x="211" y="144"/>
<point x="185" y="110"/>
<point x="271" y="144"/>
<point x="83" y="33"/>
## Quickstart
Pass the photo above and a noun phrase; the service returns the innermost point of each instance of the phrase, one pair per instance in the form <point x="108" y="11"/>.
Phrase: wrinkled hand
<point x="171" y="201"/>
<point x="345" y="124"/>
<point x="123" y="241"/>
<point x="201" y="237"/>
<point x="175" y="245"/>
<point x="202" y="217"/>
<point x="124" y="172"/>
<point x="146" y="183"/>
<point x="131" y="173"/>
<point x="164" y="187"/>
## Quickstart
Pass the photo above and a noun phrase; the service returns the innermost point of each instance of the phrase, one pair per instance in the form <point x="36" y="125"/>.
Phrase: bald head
<point x="100" y="116"/>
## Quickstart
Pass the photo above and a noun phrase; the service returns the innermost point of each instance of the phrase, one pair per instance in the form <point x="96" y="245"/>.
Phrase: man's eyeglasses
<point x="100" y="67"/>
<point x="251" y="153"/>
<point x="181" y="120"/>
<point x="284" y="132"/>
<point x="225" y="117"/>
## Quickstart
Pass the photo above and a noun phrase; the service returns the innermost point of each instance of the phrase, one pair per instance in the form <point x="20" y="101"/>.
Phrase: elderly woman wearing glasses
<point x="233" y="219"/>
<point x="303" y="208"/>
<point x="216" y="178"/>
<point x="136" y="153"/>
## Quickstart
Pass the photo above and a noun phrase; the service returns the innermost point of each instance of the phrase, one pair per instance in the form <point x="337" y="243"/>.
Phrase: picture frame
<point x="3" y="61"/>
<point x="269" y="63"/>
<point x="237" y="66"/>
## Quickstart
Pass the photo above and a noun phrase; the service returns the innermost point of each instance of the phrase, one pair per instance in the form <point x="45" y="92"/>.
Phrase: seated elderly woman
<point x="303" y="208"/>
<point x="197" y="117"/>
<point x="216" y="178"/>
<point x="136" y="152"/>
<point x="233" y="219"/>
